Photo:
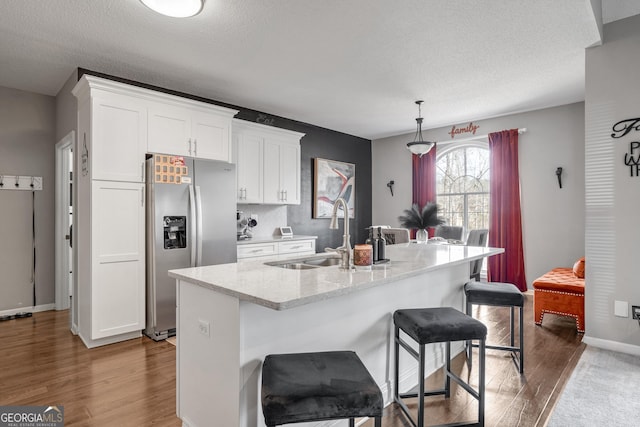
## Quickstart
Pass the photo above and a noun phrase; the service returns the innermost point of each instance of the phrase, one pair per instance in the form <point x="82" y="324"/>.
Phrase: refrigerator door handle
<point x="199" y="225"/>
<point x="192" y="226"/>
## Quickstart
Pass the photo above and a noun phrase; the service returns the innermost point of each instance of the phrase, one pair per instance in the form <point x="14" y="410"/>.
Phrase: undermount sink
<point x="306" y="263"/>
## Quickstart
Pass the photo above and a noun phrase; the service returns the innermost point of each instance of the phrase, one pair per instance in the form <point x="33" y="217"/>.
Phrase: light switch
<point x="204" y="327"/>
<point x="621" y="308"/>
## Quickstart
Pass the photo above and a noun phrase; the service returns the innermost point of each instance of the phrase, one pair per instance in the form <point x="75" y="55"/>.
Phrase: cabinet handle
<point x="256" y="251"/>
<point x="286" y="196"/>
<point x="195" y="148"/>
<point x="189" y="146"/>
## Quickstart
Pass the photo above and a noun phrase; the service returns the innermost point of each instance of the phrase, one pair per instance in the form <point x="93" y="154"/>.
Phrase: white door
<point x="272" y="190"/>
<point x="290" y="173"/>
<point x="249" y="158"/>
<point x="170" y="130"/>
<point x="211" y="136"/>
<point x="118" y="260"/>
<point x="119" y="132"/>
<point x="64" y="220"/>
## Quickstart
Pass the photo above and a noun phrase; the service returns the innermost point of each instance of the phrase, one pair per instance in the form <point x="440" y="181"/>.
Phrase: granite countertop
<point x="279" y="288"/>
<point x="271" y="239"/>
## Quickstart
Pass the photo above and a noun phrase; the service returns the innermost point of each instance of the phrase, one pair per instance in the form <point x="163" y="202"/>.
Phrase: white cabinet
<point x="281" y="172"/>
<point x="267" y="251"/>
<point x="202" y="133"/>
<point x="117" y="141"/>
<point x="118" y="267"/>
<point x="267" y="163"/>
<point x="249" y="156"/>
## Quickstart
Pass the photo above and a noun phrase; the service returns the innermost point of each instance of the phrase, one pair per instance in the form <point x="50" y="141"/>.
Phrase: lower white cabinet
<point x="268" y="251"/>
<point x="118" y="258"/>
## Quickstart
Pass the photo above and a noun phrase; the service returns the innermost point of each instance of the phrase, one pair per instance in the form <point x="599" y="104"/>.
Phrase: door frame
<point x="62" y="194"/>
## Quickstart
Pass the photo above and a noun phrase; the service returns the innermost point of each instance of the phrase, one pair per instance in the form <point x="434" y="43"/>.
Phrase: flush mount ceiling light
<point x="419" y="146"/>
<point x="175" y="8"/>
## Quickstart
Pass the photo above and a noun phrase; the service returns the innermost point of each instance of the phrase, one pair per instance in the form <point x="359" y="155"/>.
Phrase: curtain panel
<point x="424" y="181"/>
<point x="505" y="224"/>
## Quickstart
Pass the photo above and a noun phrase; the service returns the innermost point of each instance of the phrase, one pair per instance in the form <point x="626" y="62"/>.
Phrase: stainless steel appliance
<point x="190" y="222"/>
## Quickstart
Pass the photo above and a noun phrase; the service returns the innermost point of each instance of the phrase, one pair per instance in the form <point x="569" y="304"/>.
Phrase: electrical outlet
<point x="204" y="328"/>
<point x="635" y="311"/>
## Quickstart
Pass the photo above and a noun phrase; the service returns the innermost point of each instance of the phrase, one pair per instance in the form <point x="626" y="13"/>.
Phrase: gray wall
<point x="27" y="147"/>
<point x="66" y="108"/>
<point x="612" y="194"/>
<point x="552" y="218"/>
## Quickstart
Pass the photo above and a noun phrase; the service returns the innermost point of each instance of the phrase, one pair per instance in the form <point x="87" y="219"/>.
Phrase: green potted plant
<point x="421" y="219"/>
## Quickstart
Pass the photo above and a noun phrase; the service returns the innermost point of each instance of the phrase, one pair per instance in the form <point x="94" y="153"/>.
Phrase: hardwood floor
<point x="133" y="383"/>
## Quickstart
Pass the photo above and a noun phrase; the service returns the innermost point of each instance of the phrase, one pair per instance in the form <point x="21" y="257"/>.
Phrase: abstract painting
<point x="332" y="180"/>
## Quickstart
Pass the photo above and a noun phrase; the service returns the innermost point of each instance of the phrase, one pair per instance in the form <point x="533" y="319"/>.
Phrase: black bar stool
<point x="302" y="387"/>
<point x="434" y="325"/>
<point x="501" y="295"/>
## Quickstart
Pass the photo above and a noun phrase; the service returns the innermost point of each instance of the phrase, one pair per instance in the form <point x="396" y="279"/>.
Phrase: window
<point x="462" y="185"/>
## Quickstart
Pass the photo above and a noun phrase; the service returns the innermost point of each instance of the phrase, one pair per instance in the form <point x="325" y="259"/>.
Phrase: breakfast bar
<point x="231" y="316"/>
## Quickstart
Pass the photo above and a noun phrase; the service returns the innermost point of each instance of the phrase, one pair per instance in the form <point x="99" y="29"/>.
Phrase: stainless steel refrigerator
<point x="191" y="221"/>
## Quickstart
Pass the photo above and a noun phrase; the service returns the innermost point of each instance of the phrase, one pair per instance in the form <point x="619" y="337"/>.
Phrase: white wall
<point x="552" y="218"/>
<point x="612" y="195"/>
<point x="27" y="147"/>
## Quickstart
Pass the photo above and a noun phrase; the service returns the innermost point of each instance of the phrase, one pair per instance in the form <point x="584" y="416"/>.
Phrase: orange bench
<point x="560" y="292"/>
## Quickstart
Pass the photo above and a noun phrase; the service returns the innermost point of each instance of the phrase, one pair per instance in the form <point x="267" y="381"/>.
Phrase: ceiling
<point x="355" y="66"/>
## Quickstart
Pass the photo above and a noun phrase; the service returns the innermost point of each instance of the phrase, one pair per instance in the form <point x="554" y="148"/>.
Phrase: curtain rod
<point x="473" y="138"/>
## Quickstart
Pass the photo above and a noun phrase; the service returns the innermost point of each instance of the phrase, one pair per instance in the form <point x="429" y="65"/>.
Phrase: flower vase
<point x="422" y="235"/>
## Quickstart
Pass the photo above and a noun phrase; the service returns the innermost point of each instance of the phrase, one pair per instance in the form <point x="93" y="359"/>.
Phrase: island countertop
<point x="280" y="289"/>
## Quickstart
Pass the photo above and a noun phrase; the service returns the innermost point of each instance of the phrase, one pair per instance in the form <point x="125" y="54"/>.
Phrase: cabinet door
<point x="118" y="258"/>
<point x="119" y="132"/>
<point x="249" y="157"/>
<point x="170" y="130"/>
<point x="271" y="182"/>
<point x="290" y="173"/>
<point x="211" y="136"/>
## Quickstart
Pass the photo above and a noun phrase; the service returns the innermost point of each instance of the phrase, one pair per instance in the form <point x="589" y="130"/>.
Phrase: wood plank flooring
<point x="133" y="383"/>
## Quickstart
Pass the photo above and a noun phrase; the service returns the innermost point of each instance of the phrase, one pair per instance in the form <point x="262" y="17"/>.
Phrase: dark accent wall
<point x="317" y="142"/>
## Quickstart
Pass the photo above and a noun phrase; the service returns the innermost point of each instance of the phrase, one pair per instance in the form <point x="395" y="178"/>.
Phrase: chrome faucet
<point x="345" y="249"/>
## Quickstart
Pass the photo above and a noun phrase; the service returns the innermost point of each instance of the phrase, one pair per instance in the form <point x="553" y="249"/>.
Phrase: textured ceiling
<point x="355" y="66"/>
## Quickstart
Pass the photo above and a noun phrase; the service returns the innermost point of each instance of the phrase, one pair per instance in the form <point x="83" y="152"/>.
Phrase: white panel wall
<point x="612" y="195"/>
<point x="553" y="218"/>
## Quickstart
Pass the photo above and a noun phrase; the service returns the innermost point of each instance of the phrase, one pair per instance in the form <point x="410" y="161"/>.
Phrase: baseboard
<point x="620" y="347"/>
<point x="32" y="309"/>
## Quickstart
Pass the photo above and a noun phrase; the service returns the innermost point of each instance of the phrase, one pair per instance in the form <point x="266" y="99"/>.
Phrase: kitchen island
<point x="231" y="316"/>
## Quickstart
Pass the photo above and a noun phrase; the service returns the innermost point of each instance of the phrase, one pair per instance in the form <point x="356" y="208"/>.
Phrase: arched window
<point x="462" y="184"/>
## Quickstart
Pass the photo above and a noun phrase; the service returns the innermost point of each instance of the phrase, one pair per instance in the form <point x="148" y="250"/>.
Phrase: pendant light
<point x="419" y="146"/>
<point x="175" y="8"/>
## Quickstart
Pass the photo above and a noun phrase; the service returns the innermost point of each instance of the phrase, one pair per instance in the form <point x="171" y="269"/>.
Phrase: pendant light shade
<point x="175" y="8"/>
<point x="419" y="146"/>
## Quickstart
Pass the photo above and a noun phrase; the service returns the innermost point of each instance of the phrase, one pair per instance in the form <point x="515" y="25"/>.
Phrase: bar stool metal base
<point x="449" y="375"/>
<point x="508" y="297"/>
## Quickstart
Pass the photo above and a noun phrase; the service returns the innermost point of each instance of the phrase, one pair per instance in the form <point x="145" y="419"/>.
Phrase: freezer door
<point x="217" y="203"/>
<point x="169" y="243"/>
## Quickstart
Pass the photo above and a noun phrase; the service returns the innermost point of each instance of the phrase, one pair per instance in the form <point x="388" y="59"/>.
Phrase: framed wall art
<point x="332" y="180"/>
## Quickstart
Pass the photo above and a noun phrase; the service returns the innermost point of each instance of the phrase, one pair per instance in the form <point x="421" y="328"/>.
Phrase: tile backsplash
<point x="270" y="218"/>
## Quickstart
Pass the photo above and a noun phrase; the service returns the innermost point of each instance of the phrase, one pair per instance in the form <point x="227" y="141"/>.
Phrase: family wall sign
<point x="632" y="157"/>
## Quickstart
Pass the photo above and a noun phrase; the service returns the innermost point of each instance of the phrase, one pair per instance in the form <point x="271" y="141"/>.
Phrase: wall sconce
<point x="559" y="175"/>
<point x="390" y="185"/>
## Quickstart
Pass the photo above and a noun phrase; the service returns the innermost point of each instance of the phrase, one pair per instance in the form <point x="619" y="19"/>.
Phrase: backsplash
<point x="270" y="218"/>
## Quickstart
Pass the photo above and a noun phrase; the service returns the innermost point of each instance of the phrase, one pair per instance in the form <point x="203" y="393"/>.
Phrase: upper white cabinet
<point x="117" y="141"/>
<point x="202" y="133"/>
<point x="267" y="163"/>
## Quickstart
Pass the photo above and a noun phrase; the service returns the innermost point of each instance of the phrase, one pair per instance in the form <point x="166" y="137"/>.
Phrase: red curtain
<point x="505" y="226"/>
<point x="424" y="180"/>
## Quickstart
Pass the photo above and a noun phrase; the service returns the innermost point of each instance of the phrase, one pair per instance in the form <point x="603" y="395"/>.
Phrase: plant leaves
<point x="421" y="218"/>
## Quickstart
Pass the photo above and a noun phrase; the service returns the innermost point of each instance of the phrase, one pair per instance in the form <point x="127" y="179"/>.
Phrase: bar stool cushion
<point x="317" y="386"/>
<point x="439" y="324"/>
<point x="494" y="293"/>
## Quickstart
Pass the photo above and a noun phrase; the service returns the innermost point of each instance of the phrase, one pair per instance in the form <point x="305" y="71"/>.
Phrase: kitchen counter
<point x="271" y="239"/>
<point x="231" y="316"/>
<point x="281" y="289"/>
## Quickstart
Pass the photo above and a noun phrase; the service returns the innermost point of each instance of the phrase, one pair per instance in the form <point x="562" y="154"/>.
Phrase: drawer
<point x="257" y="250"/>
<point x="297" y="246"/>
